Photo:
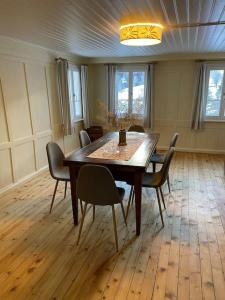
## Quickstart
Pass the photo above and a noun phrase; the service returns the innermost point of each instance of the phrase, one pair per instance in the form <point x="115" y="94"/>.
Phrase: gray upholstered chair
<point x="157" y="179"/>
<point x="84" y="138"/>
<point x="57" y="170"/>
<point x="158" y="158"/>
<point x="136" y="128"/>
<point x="96" y="186"/>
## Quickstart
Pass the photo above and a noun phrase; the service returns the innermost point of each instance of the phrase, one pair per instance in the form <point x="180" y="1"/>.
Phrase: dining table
<point x="127" y="163"/>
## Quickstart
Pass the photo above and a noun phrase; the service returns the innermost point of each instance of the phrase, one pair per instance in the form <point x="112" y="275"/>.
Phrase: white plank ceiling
<point x="90" y="27"/>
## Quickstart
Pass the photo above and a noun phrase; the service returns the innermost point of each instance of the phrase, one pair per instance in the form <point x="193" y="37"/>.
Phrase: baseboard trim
<point x="22" y="181"/>
<point x="27" y="178"/>
<point x="195" y="150"/>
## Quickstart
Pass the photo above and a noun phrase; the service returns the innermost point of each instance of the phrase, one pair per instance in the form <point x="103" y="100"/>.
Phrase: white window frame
<point x="77" y="69"/>
<point x="221" y="117"/>
<point x="130" y="69"/>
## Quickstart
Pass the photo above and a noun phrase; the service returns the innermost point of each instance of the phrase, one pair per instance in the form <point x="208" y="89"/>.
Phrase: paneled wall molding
<point x="43" y="133"/>
<point x="29" y="112"/>
<point x="167" y="122"/>
<point x="186" y="124"/>
<point x="28" y="177"/>
<point x="26" y="139"/>
<point x="5" y="145"/>
<point x="22" y="181"/>
<point x="22" y="140"/>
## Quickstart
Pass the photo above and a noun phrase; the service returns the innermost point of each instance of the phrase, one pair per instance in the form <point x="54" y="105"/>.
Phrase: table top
<point x="140" y="159"/>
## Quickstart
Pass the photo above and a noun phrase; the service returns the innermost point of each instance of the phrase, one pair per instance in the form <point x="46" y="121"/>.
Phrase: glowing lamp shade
<point x="141" y="34"/>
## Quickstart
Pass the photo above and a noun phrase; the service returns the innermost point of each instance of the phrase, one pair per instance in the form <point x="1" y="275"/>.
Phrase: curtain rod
<point x="197" y="24"/>
<point x="134" y="63"/>
<point x="210" y="60"/>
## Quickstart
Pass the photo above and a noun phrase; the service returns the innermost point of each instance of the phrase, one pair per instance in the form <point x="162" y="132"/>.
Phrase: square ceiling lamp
<point x="141" y="34"/>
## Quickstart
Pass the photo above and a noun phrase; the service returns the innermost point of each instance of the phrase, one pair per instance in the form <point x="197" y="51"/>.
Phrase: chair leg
<point x="132" y="202"/>
<point x="93" y="213"/>
<point x="82" y="222"/>
<point x="129" y="201"/>
<point x="153" y="167"/>
<point x="53" y="197"/>
<point x="163" y="200"/>
<point x="168" y="183"/>
<point x="160" y="209"/>
<point x="81" y="207"/>
<point x="65" y="189"/>
<point x="123" y="211"/>
<point x="114" y="226"/>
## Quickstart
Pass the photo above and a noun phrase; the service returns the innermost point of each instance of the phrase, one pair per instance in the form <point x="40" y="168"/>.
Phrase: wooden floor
<point x="39" y="258"/>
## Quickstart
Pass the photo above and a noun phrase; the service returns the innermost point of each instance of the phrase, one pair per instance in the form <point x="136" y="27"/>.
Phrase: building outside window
<point x="215" y="93"/>
<point x="75" y="93"/>
<point x="130" y="87"/>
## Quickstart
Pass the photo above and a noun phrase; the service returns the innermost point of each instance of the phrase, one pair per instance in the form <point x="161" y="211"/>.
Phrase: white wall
<point x="174" y="82"/>
<point x="29" y="110"/>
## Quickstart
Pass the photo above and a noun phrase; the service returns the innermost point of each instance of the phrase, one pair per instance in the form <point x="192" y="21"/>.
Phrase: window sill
<point x="214" y="121"/>
<point x="77" y="120"/>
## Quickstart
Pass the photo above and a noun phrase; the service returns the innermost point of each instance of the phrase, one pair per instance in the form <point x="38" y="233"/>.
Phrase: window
<point x="130" y="90"/>
<point x="75" y="93"/>
<point x="215" y="93"/>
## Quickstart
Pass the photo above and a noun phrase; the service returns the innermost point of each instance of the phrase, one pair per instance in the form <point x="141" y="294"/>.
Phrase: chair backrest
<point x="84" y="138"/>
<point x="173" y="140"/>
<point x="136" y="128"/>
<point x="166" y="165"/>
<point x="96" y="185"/>
<point x="55" y="158"/>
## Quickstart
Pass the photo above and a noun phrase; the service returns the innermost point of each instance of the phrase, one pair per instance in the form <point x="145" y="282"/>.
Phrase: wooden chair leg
<point x="65" y="189"/>
<point x="81" y="207"/>
<point x="163" y="200"/>
<point x="168" y="183"/>
<point x="114" y="226"/>
<point x="160" y="209"/>
<point x="129" y="201"/>
<point x="82" y="222"/>
<point x="132" y="202"/>
<point x="53" y="197"/>
<point x="123" y="211"/>
<point x="93" y="213"/>
<point x="153" y="167"/>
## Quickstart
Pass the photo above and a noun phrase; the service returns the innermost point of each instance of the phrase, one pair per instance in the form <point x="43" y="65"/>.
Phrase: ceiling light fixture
<point x="141" y="34"/>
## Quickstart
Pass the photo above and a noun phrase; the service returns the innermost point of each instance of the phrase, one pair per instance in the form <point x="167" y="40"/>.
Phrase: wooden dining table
<point x="130" y="171"/>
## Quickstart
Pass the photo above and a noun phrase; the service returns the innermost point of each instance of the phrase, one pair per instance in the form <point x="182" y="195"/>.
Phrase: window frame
<point x="130" y="69"/>
<point x="221" y="117"/>
<point x="76" y="68"/>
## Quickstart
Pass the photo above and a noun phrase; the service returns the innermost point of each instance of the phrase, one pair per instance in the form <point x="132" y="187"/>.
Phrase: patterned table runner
<point x="111" y="150"/>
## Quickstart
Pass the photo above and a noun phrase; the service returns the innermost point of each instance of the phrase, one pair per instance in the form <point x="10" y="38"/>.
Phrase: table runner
<point x="112" y="151"/>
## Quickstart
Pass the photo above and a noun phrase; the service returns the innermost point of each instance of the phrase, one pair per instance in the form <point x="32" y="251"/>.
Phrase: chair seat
<point x="62" y="174"/>
<point x="151" y="180"/>
<point x="158" y="158"/>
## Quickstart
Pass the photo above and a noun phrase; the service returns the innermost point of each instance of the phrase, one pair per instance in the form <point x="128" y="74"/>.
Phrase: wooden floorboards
<point x="39" y="258"/>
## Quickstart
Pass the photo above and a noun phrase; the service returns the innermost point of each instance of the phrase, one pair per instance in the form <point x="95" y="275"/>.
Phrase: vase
<point x="122" y="137"/>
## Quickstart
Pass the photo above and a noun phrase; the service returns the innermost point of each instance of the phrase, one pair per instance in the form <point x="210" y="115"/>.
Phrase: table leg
<point x="74" y="198"/>
<point x="138" y="189"/>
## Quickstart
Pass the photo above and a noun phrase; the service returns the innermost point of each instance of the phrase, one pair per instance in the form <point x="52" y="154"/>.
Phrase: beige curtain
<point x="199" y="95"/>
<point x="111" y="86"/>
<point x="84" y="95"/>
<point x="63" y="93"/>
<point x="149" y="96"/>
